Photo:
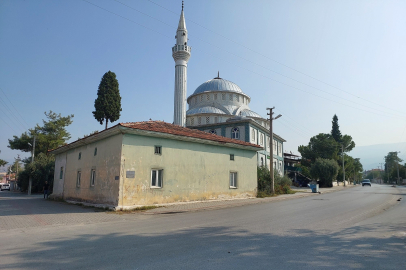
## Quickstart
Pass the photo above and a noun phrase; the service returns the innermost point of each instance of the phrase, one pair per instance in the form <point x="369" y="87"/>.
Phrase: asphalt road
<point x="356" y="228"/>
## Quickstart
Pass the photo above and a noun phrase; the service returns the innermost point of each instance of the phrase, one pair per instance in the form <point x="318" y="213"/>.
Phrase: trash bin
<point x="314" y="187"/>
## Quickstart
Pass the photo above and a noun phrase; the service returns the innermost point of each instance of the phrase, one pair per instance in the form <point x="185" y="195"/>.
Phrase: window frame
<point x="235" y="133"/>
<point x="232" y="157"/>
<point x="61" y="173"/>
<point x="233" y="180"/>
<point x="78" y="178"/>
<point x="95" y="151"/>
<point x="159" y="148"/>
<point x="92" y="177"/>
<point x="157" y="180"/>
<point x="80" y="156"/>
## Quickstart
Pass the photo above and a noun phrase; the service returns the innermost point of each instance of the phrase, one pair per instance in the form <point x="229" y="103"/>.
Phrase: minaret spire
<point x="181" y="55"/>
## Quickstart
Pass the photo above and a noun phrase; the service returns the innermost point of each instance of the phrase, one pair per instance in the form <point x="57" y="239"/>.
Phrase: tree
<point x="335" y="131"/>
<point x="41" y="170"/>
<point x="325" y="170"/>
<point x="320" y="146"/>
<point x="108" y="102"/>
<point x="2" y="162"/>
<point x="50" y="135"/>
<point x="391" y="164"/>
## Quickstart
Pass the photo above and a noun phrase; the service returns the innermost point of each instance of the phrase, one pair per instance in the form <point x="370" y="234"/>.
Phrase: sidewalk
<point x="216" y="204"/>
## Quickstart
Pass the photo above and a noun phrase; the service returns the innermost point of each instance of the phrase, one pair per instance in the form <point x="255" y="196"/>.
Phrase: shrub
<point x="282" y="183"/>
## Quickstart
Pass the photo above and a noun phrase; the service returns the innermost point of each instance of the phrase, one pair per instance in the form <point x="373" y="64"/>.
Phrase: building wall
<point x="191" y="171"/>
<point x="60" y="162"/>
<point x="106" y="164"/>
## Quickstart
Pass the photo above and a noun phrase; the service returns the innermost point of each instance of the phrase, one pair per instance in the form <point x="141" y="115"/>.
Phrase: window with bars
<point x="158" y="150"/>
<point x="199" y="120"/>
<point x="233" y="179"/>
<point x="192" y="121"/>
<point x="207" y="119"/>
<point x="215" y="96"/>
<point x="201" y="98"/>
<point x="156" y="178"/>
<point x="208" y="97"/>
<point x="231" y="96"/>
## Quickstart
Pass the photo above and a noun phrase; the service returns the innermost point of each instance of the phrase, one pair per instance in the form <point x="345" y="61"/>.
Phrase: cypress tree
<point x="108" y="102"/>
<point x="335" y="131"/>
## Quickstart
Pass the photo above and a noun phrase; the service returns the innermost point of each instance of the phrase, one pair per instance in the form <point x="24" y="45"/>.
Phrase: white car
<point x="5" y="187"/>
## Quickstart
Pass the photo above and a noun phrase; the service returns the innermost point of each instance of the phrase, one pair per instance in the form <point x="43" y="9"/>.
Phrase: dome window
<point x="207" y="97"/>
<point x="215" y="96"/>
<point x="201" y="98"/>
<point x="207" y="119"/>
<point x="192" y="121"/>
<point x="223" y="96"/>
<point x="216" y="119"/>
<point x="199" y="120"/>
<point x="231" y="97"/>
<point x="238" y="98"/>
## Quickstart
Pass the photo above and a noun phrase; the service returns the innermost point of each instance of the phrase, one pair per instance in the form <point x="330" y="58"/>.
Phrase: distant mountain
<point x="372" y="155"/>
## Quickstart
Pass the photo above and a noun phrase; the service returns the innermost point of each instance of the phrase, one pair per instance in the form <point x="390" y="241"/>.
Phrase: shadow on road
<point x="219" y="248"/>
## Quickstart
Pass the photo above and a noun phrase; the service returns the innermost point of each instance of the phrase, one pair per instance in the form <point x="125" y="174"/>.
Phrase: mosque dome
<point x="218" y="84"/>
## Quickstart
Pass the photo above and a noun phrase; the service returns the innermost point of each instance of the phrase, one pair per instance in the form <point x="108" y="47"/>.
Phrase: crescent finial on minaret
<point x="182" y="5"/>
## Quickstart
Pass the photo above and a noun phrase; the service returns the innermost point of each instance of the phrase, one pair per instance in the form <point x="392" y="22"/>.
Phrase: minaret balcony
<point x="181" y="48"/>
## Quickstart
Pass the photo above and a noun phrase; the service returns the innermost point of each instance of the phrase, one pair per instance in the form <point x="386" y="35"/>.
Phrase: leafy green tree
<point x="320" y="146"/>
<point x="50" y="135"/>
<point x="325" y="170"/>
<point x="2" y="162"/>
<point x="392" y="161"/>
<point x="41" y="170"/>
<point x="108" y="102"/>
<point x="335" y="130"/>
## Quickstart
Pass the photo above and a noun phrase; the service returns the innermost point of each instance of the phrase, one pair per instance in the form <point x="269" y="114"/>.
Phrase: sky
<point x="309" y="59"/>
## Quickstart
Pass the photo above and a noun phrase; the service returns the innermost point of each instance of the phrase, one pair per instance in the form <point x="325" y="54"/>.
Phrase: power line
<point x="263" y="55"/>
<point x="252" y="62"/>
<point x="11" y="113"/>
<point x="13" y="106"/>
<point x="290" y="86"/>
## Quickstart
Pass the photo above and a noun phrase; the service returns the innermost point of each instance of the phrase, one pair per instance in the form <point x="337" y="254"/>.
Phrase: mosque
<point x="220" y="107"/>
<point x="210" y="152"/>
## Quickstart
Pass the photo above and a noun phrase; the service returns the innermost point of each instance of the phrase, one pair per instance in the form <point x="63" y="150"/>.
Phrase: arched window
<point x="261" y="140"/>
<point x="235" y="133"/>
<point x="253" y="134"/>
<point x="213" y="131"/>
<point x="262" y="161"/>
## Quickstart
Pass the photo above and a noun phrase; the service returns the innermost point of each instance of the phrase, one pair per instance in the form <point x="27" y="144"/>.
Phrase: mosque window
<point x="215" y="96"/>
<point x="238" y="98"/>
<point x="192" y="121"/>
<point x="253" y="135"/>
<point x="216" y="119"/>
<point x="201" y="98"/>
<point x="243" y="100"/>
<point x="235" y="133"/>
<point x="213" y="131"/>
<point x="231" y="96"/>
<point x="207" y="119"/>
<point x="261" y="140"/>
<point x="231" y="156"/>
<point x="223" y="96"/>
<point x="199" y="120"/>
<point x="207" y="97"/>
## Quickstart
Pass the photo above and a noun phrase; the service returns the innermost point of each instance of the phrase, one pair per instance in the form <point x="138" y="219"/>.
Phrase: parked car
<point x="366" y="182"/>
<point x="5" y="187"/>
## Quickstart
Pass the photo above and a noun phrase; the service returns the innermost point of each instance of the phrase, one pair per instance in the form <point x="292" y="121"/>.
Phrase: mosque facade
<point x="220" y="107"/>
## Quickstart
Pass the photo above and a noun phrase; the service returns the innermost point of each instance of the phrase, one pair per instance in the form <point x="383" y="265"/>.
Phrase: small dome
<point x="249" y="113"/>
<point x="206" y="109"/>
<point x="218" y="84"/>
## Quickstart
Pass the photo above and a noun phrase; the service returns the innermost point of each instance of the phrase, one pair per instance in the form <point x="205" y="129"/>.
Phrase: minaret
<point x="181" y="55"/>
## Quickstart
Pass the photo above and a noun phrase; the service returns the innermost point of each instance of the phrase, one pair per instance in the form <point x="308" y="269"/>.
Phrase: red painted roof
<point x="163" y="127"/>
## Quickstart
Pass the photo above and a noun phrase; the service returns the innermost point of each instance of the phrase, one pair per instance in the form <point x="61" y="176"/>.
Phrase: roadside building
<point x="145" y="163"/>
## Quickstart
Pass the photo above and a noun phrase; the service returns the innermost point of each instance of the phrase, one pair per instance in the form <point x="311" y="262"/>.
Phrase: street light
<point x="32" y="160"/>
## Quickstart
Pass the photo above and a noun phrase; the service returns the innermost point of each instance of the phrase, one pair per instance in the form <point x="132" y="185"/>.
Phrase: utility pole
<point x="32" y="160"/>
<point x="342" y="153"/>
<point x="271" y="147"/>
<point x="397" y="163"/>
<point x="16" y="175"/>
<point x="381" y="172"/>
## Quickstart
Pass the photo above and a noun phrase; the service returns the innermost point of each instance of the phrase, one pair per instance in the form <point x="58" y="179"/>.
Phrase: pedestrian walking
<point x="45" y="189"/>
